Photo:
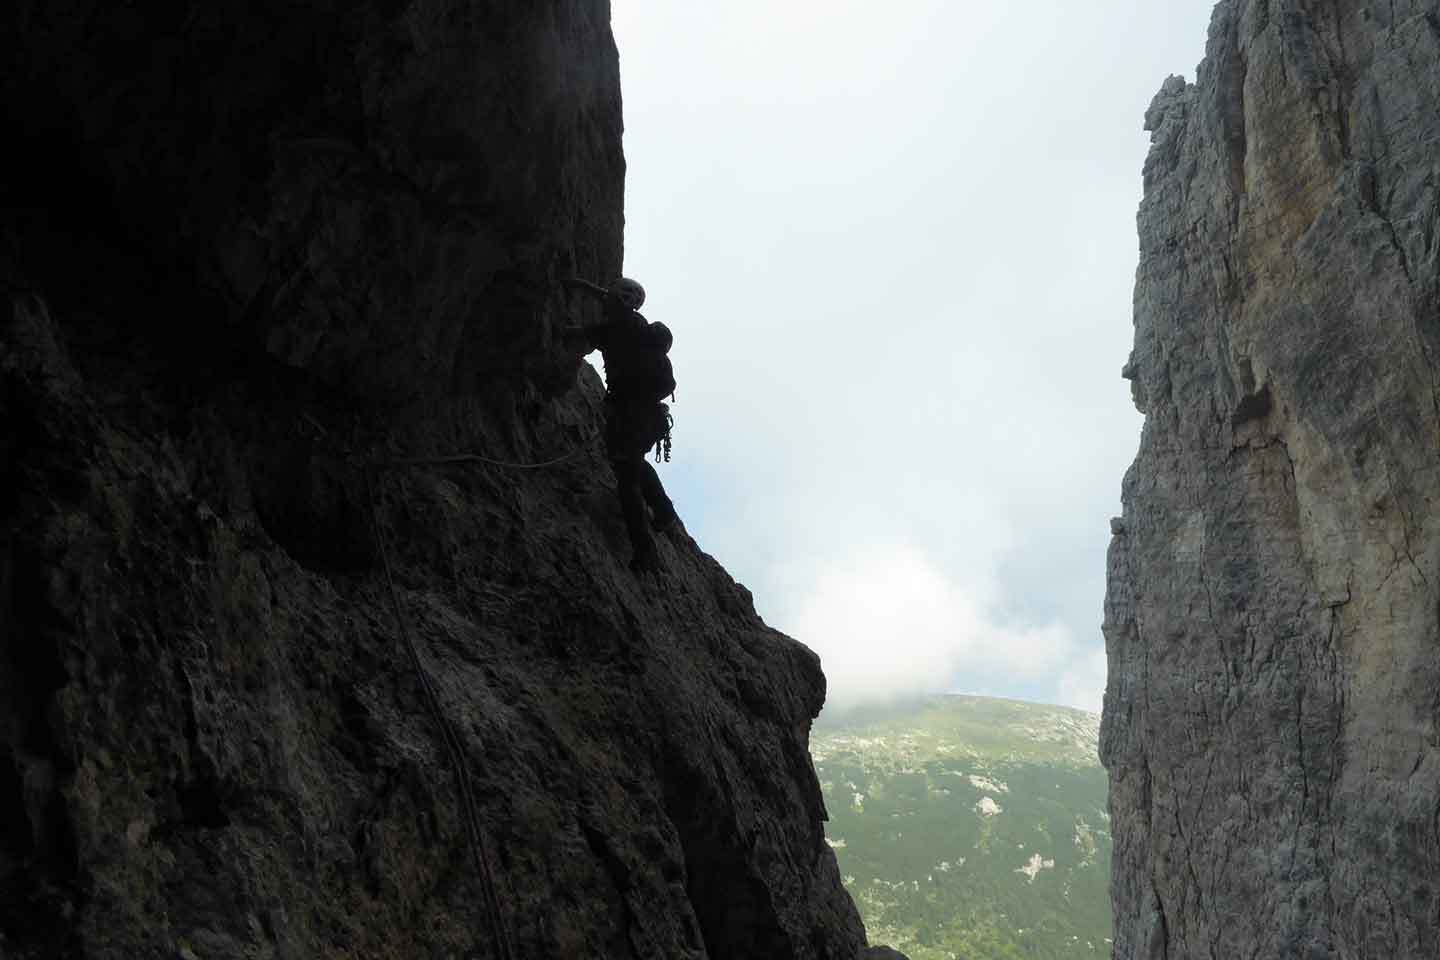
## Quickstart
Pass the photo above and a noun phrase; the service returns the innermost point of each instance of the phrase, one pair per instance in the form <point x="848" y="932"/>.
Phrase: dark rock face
<point x="1271" y="717"/>
<point x="247" y="249"/>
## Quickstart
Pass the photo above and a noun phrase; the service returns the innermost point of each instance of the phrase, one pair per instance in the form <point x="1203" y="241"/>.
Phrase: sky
<point x="896" y="246"/>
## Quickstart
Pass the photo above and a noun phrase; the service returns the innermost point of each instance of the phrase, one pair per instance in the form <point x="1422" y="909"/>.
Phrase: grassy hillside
<point x="971" y="828"/>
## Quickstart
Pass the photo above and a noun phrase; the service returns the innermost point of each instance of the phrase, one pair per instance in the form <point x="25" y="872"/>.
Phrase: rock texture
<point x="248" y="248"/>
<point x="1271" y="619"/>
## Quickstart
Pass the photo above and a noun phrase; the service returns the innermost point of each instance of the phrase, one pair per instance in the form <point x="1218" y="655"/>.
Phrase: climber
<point x="638" y="377"/>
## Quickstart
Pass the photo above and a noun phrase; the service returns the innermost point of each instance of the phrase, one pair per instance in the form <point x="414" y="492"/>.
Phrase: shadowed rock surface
<point x="1271" y="619"/>
<point x="246" y="249"/>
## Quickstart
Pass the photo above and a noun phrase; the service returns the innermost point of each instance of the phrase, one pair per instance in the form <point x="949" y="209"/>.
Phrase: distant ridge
<point x="913" y="704"/>
<point x="970" y="826"/>
<point x="992" y="727"/>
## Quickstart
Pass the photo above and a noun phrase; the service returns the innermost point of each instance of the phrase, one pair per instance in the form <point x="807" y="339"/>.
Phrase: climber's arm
<point x="597" y="336"/>
<point x="579" y="340"/>
<point x="594" y="288"/>
<point x="587" y="337"/>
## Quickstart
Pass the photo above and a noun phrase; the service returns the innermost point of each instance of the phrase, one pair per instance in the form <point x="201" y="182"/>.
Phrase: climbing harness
<point x="453" y="745"/>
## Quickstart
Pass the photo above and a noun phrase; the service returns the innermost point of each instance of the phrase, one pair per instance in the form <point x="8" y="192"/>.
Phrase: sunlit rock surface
<point x="1271" y="620"/>
<point x="247" y="249"/>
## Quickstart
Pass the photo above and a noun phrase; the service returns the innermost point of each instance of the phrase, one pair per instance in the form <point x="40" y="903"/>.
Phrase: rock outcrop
<point x="1270" y="720"/>
<point x="248" y="249"/>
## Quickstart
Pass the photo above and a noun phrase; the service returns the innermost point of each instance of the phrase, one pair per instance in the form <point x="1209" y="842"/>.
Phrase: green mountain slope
<point x="971" y="828"/>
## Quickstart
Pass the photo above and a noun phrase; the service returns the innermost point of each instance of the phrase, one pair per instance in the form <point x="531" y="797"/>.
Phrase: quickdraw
<point x="662" y="446"/>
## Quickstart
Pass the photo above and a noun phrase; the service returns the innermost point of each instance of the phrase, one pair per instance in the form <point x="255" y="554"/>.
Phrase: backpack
<point x="654" y="378"/>
<point x="647" y="376"/>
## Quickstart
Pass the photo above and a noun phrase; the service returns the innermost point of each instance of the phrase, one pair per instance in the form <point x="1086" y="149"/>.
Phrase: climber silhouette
<point x="638" y="377"/>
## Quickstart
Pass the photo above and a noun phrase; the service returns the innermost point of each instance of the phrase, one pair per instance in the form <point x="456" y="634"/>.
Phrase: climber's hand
<point x="575" y="340"/>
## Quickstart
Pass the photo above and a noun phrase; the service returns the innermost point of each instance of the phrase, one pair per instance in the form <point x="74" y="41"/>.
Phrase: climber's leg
<point x="628" y="471"/>
<point x="654" y="493"/>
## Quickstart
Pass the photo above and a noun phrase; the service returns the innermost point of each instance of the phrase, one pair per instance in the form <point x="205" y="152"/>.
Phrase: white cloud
<point x="896" y="247"/>
<point x="889" y="623"/>
<point x="1083" y="684"/>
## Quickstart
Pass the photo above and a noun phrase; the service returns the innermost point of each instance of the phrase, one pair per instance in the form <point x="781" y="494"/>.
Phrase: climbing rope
<point x="476" y="458"/>
<point x="453" y="743"/>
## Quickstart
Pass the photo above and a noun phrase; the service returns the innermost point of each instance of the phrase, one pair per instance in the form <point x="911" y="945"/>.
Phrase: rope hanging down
<point x="453" y="743"/>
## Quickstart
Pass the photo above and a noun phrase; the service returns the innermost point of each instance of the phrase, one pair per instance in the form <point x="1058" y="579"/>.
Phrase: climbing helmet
<point x="628" y="292"/>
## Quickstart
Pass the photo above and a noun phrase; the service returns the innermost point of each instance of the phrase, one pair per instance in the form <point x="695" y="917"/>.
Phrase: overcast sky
<point x="896" y="245"/>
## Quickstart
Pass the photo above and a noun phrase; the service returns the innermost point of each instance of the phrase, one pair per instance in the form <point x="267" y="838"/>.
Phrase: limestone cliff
<point x="249" y="248"/>
<point x="1271" y="618"/>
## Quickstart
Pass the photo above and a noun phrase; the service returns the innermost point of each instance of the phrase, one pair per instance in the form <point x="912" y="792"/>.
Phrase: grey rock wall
<point x="247" y="248"/>
<point x="1270" y="721"/>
